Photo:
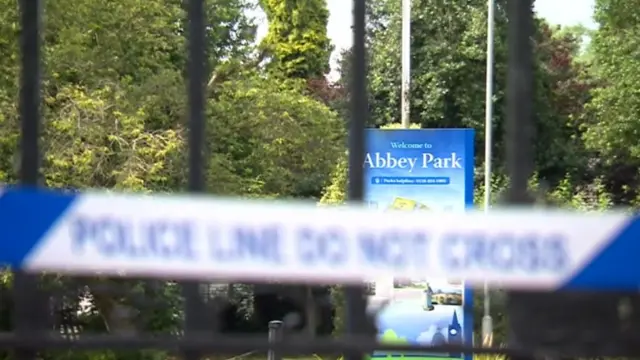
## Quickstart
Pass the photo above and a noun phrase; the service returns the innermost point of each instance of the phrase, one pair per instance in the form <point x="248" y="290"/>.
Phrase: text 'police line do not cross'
<point x="216" y="238"/>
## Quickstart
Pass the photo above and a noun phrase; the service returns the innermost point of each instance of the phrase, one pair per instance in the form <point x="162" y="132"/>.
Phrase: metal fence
<point x="541" y="324"/>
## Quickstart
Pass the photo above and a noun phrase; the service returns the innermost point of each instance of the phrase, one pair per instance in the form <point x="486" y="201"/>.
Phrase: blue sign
<point x="428" y="170"/>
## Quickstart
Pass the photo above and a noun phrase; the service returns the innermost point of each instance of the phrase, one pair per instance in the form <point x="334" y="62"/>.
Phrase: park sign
<point x="426" y="171"/>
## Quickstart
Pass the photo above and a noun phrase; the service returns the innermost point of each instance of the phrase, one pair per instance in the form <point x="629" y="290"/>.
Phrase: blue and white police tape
<point x="245" y="240"/>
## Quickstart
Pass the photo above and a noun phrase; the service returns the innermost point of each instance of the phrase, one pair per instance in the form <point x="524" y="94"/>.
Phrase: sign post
<point x="423" y="170"/>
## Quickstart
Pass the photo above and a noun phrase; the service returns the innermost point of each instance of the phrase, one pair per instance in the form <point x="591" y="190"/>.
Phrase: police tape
<point x="246" y="240"/>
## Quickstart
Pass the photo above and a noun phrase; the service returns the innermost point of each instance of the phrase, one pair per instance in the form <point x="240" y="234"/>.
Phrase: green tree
<point x="582" y="36"/>
<point x="390" y="337"/>
<point x="562" y="90"/>
<point x="278" y="143"/>
<point x="448" y="48"/>
<point x="448" y="53"/>
<point x="110" y="65"/>
<point x="297" y="40"/>
<point x="611" y="123"/>
<point x="114" y="108"/>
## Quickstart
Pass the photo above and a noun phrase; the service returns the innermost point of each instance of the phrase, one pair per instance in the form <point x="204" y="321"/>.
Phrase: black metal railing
<point x="563" y="325"/>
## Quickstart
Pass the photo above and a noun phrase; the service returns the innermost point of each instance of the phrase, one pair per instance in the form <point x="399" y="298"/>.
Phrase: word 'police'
<point x="279" y="244"/>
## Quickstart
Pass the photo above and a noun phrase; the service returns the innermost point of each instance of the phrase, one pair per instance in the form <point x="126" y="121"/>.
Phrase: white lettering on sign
<point x="450" y="162"/>
<point x="386" y="160"/>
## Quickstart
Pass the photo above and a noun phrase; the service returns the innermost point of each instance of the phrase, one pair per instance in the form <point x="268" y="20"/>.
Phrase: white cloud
<point x="425" y="337"/>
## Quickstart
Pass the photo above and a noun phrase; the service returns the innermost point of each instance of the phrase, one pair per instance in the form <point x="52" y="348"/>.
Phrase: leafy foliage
<point x="278" y="143"/>
<point x="611" y="125"/>
<point x="448" y="57"/>
<point x="297" y="37"/>
<point x="114" y="107"/>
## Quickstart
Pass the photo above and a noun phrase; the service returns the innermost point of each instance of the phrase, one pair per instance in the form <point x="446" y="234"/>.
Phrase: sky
<point x="560" y="12"/>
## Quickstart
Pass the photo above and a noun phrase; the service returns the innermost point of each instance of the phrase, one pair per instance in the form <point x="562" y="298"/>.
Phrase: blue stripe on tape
<point x="25" y="217"/>
<point x="617" y="266"/>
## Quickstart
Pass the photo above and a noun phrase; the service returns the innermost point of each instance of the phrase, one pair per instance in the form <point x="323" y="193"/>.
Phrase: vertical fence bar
<point x="519" y="127"/>
<point x="196" y="92"/>
<point x="276" y="330"/>
<point x="519" y="133"/>
<point x="30" y="91"/>
<point x="30" y="319"/>
<point x="359" y="107"/>
<point x="195" y="319"/>
<point x="355" y="295"/>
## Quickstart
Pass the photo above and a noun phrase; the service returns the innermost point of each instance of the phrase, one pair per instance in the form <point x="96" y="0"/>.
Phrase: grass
<point x="475" y="357"/>
<point x="317" y="357"/>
